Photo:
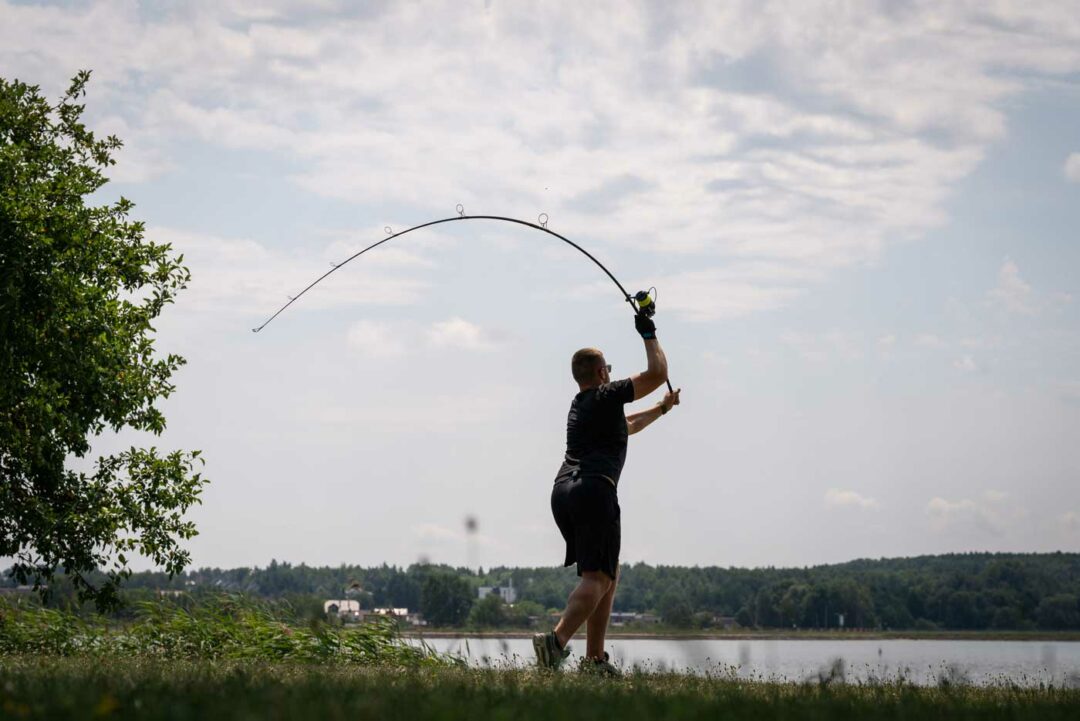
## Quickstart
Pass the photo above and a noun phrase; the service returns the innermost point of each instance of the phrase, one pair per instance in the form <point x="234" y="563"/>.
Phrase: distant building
<point x="396" y="612"/>
<point x="508" y="593"/>
<point x="346" y="609"/>
<point x="402" y="615"/>
<point x="349" y="610"/>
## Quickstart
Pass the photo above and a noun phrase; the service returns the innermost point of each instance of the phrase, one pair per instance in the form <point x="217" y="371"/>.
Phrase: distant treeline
<point x="968" y="591"/>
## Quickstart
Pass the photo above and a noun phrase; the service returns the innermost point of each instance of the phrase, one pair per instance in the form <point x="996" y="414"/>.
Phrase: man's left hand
<point x="671" y="398"/>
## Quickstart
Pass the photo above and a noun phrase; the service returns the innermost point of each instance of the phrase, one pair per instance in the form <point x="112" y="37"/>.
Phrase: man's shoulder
<point x="621" y="390"/>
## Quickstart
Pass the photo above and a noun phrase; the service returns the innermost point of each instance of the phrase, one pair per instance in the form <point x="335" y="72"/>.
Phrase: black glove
<point x="645" y="326"/>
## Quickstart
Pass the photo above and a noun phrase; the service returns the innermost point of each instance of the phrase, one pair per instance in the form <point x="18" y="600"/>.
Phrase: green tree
<point x="1059" y="611"/>
<point x="79" y="290"/>
<point x="1007" y="617"/>
<point x="676" y="611"/>
<point x="521" y="613"/>
<point x="962" y="610"/>
<point x="792" y="603"/>
<point x="489" y="611"/>
<point x="445" y="599"/>
<point x="403" y="591"/>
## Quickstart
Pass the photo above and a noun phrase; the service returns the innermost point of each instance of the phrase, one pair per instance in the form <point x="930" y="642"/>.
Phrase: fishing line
<point x="641" y="302"/>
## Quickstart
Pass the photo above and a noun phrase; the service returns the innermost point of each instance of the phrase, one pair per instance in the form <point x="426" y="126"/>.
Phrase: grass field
<point x="234" y="659"/>
<point x="146" y="688"/>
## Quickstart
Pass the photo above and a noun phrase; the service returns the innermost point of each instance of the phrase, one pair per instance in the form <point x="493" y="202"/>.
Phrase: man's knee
<point x="599" y="581"/>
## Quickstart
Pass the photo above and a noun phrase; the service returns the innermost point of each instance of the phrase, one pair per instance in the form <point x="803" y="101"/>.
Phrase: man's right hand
<point x="645" y="327"/>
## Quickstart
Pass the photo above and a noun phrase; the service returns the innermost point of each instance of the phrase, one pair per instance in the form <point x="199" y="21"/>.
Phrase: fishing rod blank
<point x="641" y="302"/>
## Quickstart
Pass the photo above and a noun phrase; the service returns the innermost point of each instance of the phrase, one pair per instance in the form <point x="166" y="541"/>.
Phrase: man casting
<point x="584" y="500"/>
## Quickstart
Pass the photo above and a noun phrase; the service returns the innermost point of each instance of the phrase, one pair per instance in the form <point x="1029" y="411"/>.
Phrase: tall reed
<point x="220" y="627"/>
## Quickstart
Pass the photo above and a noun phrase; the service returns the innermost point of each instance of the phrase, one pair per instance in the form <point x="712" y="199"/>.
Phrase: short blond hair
<point x="585" y="363"/>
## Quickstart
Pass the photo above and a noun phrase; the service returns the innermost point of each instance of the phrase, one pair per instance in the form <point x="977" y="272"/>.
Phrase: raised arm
<point x="655" y="375"/>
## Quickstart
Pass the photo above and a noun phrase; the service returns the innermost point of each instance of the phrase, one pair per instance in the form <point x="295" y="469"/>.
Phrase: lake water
<point x="923" y="662"/>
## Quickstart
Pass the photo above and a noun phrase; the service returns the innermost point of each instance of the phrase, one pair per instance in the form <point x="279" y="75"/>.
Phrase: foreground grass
<point x="234" y="659"/>
<point x="224" y="627"/>
<point x="148" y="688"/>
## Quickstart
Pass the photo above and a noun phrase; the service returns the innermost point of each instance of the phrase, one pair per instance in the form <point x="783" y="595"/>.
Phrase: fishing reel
<point x="646" y="302"/>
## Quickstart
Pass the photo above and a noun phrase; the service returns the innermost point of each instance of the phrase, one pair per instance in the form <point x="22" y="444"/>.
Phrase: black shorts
<point x="587" y="513"/>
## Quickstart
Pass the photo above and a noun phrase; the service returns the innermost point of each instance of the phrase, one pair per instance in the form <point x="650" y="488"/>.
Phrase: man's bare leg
<point x="598" y="623"/>
<point x="582" y="603"/>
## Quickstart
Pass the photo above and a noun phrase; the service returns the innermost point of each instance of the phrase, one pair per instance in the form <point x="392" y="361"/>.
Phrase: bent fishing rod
<point x="643" y="303"/>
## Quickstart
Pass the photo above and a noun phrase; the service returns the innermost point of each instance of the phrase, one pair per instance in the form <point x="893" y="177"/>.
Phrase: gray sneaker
<point x="548" y="653"/>
<point x="600" y="668"/>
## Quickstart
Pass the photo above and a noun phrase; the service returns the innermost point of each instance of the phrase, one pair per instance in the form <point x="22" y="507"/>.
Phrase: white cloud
<point x="707" y="295"/>
<point x="439" y="534"/>
<point x="980" y="343"/>
<point x="141" y="159"/>
<point x="989" y="515"/>
<point x="460" y="333"/>
<point x="833" y="345"/>
<point x="385" y="256"/>
<point x="853" y="138"/>
<point x="944" y="511"/>
<point x="433" y="412"/>
<point x="375" y="339"/>
<point x="929" y="340"/>
<point x="735" y="289"/>
<point x="838" y="498"/>
<point x="1072" y="168"/>
<point x="744" y="152"/>
<point x="939" y="505"/>
<point x="1069" y="391"/>
<point x="1012" y="292"/>
<point x="1070" y="521"/>
<point x="240" y="275"/>
<point x="966" y="364"/>
<point x="886" y="341"/>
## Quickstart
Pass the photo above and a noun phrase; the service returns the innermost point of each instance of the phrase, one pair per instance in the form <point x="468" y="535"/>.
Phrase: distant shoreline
<point x="1070" y="636"/>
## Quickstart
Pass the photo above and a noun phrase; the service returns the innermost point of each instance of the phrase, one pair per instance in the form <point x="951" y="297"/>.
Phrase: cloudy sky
<point x="861" y="218"/>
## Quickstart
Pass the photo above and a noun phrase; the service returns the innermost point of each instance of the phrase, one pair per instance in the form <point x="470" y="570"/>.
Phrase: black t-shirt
<point x="596" y="430"/>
